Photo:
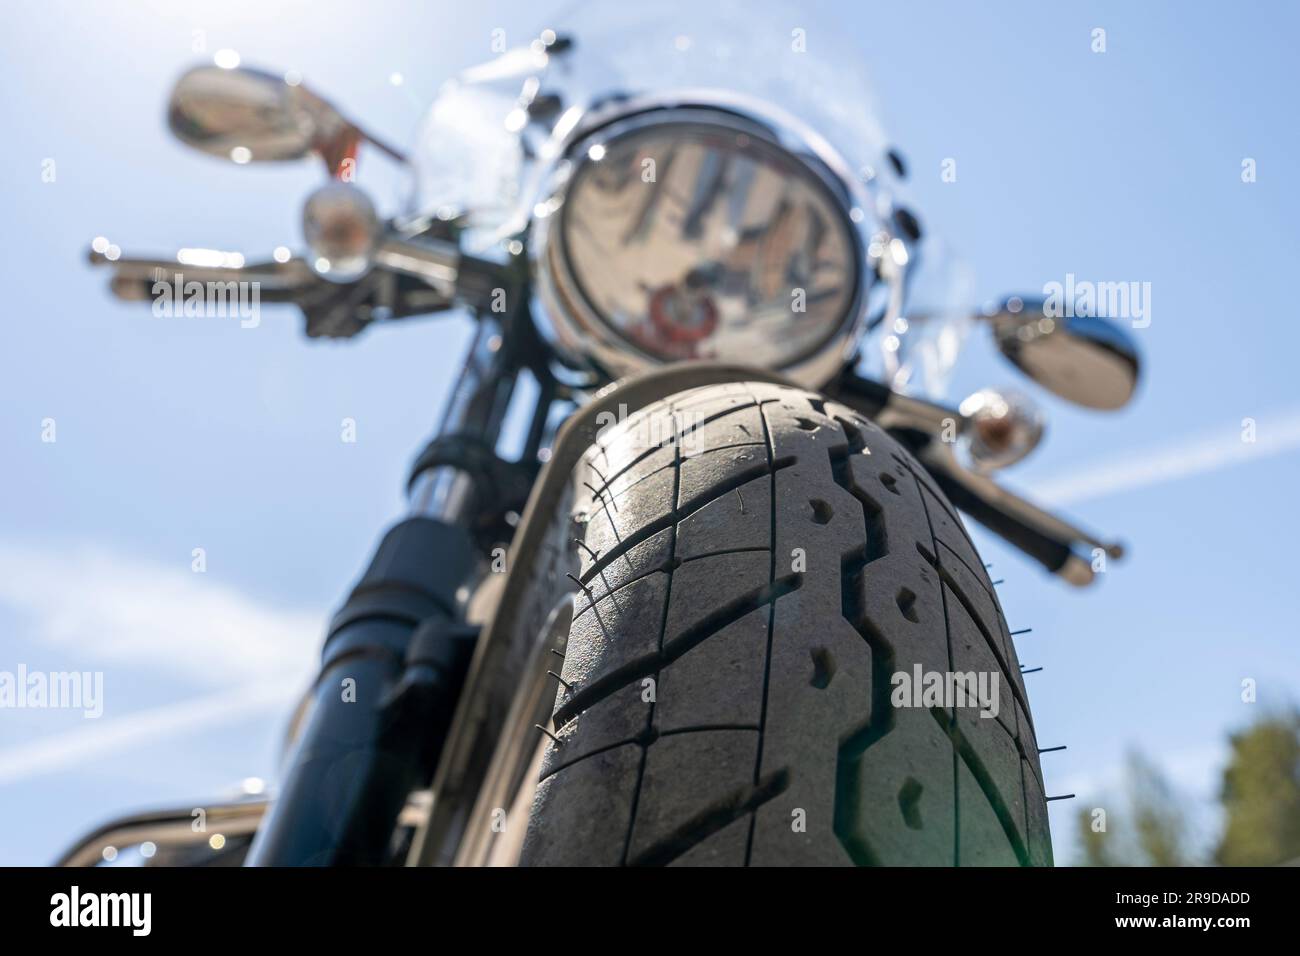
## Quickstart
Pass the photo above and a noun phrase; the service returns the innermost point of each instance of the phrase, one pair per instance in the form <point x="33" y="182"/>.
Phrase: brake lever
<point x="272" y="276"/>
<point x="331" y="309"/>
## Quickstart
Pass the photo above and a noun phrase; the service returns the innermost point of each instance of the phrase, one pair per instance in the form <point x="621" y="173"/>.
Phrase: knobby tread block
<point x="757" y="565"/>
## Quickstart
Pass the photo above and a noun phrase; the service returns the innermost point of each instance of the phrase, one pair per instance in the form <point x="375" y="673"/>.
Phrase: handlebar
<point x="291" y="273"/>
<point x="443" y="266"/>
<point x="410" y="276"/>
<point x="133" y="278"/>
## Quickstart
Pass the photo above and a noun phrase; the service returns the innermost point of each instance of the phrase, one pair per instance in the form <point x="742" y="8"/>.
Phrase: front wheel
<point x="786" y="651"/>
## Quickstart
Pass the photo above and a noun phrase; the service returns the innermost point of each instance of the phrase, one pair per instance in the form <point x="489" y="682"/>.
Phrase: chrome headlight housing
<point x="676" y="230"/>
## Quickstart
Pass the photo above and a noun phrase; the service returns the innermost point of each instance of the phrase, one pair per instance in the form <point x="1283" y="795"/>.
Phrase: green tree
<point x="1146" y="827"/>
<point x="1159" y="821"/>
<point x="1261" y="795"/>
<point x="1096" y="844"/>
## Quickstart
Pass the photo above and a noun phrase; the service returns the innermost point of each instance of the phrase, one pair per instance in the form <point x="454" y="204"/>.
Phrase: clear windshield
<point x="921" y="346"/>
<point x="470" y="157"/>
<point x="475" y="157"/>
<point x="788" y="56"/>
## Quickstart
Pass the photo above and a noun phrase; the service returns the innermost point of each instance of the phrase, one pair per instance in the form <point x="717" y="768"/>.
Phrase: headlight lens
<point x="696" y="239"/>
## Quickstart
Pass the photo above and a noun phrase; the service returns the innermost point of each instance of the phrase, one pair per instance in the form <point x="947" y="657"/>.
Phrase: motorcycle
<point x="721" y="608"/>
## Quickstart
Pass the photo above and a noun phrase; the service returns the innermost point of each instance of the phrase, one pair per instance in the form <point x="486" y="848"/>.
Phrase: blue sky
<point x="173" y="435"/>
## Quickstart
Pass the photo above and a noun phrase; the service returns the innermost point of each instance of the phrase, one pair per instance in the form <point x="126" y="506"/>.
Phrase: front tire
<point x="757" y="564"/>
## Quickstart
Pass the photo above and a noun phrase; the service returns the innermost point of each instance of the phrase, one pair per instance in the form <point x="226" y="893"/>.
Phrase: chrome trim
<point x="173" y="827"/>
<point x="434" y="261"/>
<point x="291" y="275"/>
<point x="582" y="337"/>
<point x="477" y="406"/>
<point x="444" y="492"/>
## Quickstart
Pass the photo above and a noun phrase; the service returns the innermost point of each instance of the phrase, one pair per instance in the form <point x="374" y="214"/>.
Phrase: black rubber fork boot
<point x="392" y="667"/>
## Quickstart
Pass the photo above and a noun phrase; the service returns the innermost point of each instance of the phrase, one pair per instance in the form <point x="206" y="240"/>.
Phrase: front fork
<point x="396" y="653"/>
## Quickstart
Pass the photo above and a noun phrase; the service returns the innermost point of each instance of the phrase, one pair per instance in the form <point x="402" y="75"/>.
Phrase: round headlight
<point x="695" y="234"/>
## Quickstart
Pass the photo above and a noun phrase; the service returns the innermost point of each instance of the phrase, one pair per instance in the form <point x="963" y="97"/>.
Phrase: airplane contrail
<point x="95" y="741"/>
<point x="144" y="619"/>
<point x="1274" y="434"/>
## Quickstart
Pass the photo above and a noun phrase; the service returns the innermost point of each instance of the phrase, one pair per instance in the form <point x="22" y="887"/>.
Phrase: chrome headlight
<point x="700" y="233"/>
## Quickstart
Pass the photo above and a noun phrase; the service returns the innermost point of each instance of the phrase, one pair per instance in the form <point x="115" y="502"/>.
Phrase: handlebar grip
<point x="1047" y="551"/>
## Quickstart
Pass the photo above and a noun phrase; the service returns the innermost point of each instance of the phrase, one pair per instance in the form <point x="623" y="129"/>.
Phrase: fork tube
<point x="396" y="652"/>
<point x="476" y="410"/>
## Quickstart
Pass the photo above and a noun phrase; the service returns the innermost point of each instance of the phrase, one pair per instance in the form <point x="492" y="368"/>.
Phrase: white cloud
<point x="1275" y="433"/>
<point x="113" y="610"/>
<point x="146" y="623"/>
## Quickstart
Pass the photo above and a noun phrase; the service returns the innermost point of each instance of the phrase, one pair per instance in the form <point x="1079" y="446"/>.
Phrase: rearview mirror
<point x="1087" y="360"/>
<point x="249" y="116"/>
